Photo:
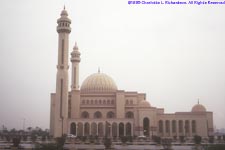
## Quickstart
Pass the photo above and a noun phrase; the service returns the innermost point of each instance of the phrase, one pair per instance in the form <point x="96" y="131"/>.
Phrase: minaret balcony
<point x="63" y="29"/>
<point x="75" y="59"/>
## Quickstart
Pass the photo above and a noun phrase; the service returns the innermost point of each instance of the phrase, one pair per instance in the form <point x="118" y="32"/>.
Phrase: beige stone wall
<point x="200" y="118"/>
<point x="75" y="104"/>
<point x="120" y="105"/>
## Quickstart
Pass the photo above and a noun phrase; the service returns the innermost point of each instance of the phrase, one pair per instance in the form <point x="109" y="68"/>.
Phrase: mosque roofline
<point x="191" y="113"/>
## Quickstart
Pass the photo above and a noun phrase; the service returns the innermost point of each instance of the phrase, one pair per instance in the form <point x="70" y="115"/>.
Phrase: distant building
<point x="99" y="108"/>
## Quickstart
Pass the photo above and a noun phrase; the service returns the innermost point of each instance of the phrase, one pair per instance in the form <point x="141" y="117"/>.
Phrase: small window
<point x="129" y="114"/>
<point x="98" y="114"/>
<point x="108" y="101"/>
<point x="131" y="102"/>
<point x="127" y="101"/>
<point x="112" y="101"/>
<point x="110" y="114"/>
<point x="85" y="114"/>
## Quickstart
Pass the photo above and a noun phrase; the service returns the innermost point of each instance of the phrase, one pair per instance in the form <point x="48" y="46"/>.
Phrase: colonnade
<point x="177" y="127"/>
<point x="101" y="128"/>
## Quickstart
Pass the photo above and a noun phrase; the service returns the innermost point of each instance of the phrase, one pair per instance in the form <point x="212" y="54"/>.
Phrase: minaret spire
<point x="198" y="100"/>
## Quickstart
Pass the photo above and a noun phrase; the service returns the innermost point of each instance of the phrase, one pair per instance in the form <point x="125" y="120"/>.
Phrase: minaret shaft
<point x="63" y="46"/>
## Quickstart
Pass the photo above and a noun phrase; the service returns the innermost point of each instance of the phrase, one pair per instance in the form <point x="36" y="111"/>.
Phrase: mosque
<point x="99" y="108"/>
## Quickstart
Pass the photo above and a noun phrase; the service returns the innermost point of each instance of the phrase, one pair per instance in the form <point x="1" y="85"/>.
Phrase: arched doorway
<point x="146" y="126"/>
<point x="128" y="129"/>
<point x="100" y="129"/>
<point x="93" y="129"/>
<point x="114" y="129"/>
<point x="73" y="128"/>
<point x="121" y="129"/>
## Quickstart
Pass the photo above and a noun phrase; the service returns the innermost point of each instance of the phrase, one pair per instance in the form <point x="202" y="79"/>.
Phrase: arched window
<point x="85" y="114"/>
<point x="127" y="101"/>
<point x="87" y="101"/>
<point x="100" y="101"/>
<point x="92" y="102"/>
<point x="83" y="101"/>
<point x="104" y="102"/>
<point x="96" y="102"/>
<point x="98" y="114"/>
<point x="129" y="114"/>
<point x="110" y="114"/>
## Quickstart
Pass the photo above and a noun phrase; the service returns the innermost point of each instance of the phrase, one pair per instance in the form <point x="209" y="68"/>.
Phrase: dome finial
<point x="64" y="7"/>
<point x="198" y="100"/>
<point x="98" y="69"/>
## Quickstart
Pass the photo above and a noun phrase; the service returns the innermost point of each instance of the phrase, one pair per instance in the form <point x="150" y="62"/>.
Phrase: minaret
<point x="61" y="99"/>
<point x="75" y="60"/>
<point x="75" y="92"/>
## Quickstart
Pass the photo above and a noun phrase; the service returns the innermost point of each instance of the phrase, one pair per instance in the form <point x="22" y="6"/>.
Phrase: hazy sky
<point x="173" y="53"/>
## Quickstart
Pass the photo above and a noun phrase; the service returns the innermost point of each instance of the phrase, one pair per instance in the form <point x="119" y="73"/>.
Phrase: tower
<point x="61" y="97"/>
<point x="75" y="60"/>
<point x="75" y="93"/>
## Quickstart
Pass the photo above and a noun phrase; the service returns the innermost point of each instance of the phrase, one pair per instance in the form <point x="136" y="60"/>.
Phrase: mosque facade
<point x="99" y="108"/>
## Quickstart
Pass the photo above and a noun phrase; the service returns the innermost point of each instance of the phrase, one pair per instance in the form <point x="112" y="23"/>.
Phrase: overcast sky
<point x="173" y="53"/>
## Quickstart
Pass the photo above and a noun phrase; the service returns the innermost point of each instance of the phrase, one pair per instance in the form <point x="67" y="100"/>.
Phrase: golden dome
<point x="144" y="103"/>
<point x="98" y="82"/>
<point x="198" y="108"/>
